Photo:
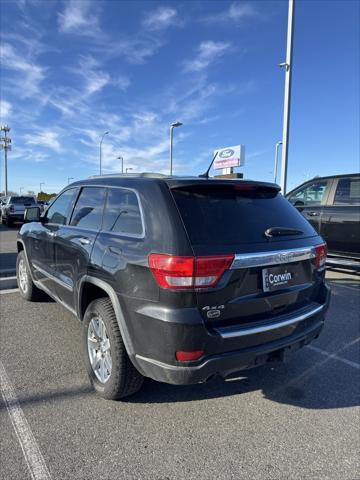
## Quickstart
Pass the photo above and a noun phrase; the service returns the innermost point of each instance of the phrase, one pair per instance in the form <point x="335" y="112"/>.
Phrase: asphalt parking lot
<point x="298" y="420"/>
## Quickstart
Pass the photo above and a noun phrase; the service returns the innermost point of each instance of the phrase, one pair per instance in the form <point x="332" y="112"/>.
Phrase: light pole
<point x="6" y="146"/>
<point x="276" y="159"/>
<point x="101" y="141"/>
<point x="41" y="183"/>
<point x="21" y="189"/>
<point x="172" y="126"/>
<point x="122" y="163"/>
<point x="70" y="178"/>
<point x="287" y="97"/>
<point x="128" y="168"/>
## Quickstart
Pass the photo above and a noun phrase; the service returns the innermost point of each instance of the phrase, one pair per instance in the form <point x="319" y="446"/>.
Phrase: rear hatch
<point x="19" y="204"/>
<point x="273" y="269"/>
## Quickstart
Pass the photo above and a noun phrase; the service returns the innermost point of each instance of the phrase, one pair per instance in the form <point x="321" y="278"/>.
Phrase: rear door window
<point x="348" y="192"/>
<point x="218" y="215"/>
<point x="122" y="213"/>
<point x="89" y="208"/>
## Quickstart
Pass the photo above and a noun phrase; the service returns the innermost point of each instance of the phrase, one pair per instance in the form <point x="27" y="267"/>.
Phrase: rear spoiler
<point x="241" y="185"/>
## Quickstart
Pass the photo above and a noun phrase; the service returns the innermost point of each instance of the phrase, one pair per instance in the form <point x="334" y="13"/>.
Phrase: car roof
<point x="329" y="177"/>
<point x="333" y="176"/>
<point x="131" y="180"/>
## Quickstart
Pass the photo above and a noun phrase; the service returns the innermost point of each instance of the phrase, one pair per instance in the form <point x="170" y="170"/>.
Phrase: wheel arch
<point x="20" y="246"/>
<point x="103" y="289"/>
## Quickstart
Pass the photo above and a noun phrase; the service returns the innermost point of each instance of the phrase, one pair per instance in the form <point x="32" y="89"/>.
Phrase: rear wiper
<point x="280" y="231"/>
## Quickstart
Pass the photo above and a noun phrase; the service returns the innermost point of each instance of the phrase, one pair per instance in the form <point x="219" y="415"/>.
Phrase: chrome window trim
<point x="52" y="277"/>
<point x="106" y="187"/>
<point x="275" y="257"/>
<point x="271" y="326"/>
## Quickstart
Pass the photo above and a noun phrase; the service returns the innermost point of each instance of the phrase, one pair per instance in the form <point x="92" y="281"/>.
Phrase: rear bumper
<point x="273" y="344"/>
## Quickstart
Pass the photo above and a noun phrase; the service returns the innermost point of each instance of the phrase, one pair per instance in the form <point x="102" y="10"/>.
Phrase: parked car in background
<point x="176" y="279"/>
<point x="13" y="208"/>
<point x="332" y="206"/>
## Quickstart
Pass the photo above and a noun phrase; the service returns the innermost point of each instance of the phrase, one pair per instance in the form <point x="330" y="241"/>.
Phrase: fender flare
<point x="116" y="306"/>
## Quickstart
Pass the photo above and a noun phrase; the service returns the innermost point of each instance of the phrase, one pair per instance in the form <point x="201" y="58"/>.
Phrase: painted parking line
<point x="353" y="288"/>
<point x="11" y="290"/>
<point x="334" y="356"/>
<point x="29" y="446"/>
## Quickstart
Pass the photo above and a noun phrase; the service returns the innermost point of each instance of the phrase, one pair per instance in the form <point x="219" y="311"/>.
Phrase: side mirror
<point x="32" y="214"/>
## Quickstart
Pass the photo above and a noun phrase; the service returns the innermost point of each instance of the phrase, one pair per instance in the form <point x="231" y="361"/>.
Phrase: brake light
<point x="189" y="356"/>
<point x="177" y="272"/>
<point x="320" y="256"/>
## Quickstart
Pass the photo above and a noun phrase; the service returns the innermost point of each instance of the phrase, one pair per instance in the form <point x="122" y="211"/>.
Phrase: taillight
<point x="189" y="356"/>
<point x="188" y="272"/>
<point x="320" y="256"/>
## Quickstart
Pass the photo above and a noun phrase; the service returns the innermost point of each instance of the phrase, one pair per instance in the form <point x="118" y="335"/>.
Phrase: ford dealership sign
<point x="230" y="157"/>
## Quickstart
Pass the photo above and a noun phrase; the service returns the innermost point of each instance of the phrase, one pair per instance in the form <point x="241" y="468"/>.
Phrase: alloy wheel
<point x="99" y="349"/>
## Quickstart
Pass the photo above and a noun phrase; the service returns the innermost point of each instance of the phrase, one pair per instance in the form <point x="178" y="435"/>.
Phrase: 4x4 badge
<point x="213" y="311"/>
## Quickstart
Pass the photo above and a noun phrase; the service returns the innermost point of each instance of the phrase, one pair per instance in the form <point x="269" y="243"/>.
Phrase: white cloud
<point x="79" y="17"/>
<point x="46" y="139"/>
<point x="207" y="53"/>
<point x="5" y="110"/>
<point x="95" y="80"/>
<point x="136" y="50"/>
<point x="161" y="18"/>
<point x="236" y="12"/>
<point x="32" y="74"/>
<point x="121" y="81"/>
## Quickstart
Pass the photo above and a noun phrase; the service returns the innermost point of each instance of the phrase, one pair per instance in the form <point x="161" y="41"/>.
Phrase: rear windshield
<point x="217" y="215"/>
<point x="22" y="200"/>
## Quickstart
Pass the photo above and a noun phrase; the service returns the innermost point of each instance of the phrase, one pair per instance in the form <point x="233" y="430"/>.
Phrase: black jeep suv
<point x="176" y="279"/>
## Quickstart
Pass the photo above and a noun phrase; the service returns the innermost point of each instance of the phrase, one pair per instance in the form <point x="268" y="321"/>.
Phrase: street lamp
<point x="102" y="138"/>
<point x="172" y="126"/>
<point x="21" y="189"/>
<point x="128" y="168"/>
<point x="6" y="146"/>
<point x="122" y="163"/>
<point x="41" y="183"/>
<point x="276" y="159"/>
<point x="70" y="178"/>
<point x="287" y="96"/>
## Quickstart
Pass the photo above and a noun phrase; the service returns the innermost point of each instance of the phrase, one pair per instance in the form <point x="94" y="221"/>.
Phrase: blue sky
<point x="72" y="70"/>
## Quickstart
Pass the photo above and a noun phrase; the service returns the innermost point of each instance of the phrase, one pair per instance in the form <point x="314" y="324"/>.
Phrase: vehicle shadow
<point x="319" y="385"/>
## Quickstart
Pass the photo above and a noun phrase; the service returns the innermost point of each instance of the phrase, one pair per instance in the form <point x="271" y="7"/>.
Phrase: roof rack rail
<point x="133" y="175"/>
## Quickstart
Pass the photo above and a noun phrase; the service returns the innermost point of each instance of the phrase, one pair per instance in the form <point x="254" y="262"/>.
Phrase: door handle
<point x="312" y="214"/>
<point x="85" y="241"/>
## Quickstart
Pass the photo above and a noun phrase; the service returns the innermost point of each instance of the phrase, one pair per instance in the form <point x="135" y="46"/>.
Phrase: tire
<point x="113" y="376"/>
<point x="26" y="286"/>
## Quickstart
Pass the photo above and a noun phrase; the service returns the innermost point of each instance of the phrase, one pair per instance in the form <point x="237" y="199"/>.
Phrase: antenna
<point x="206" y="174"/>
